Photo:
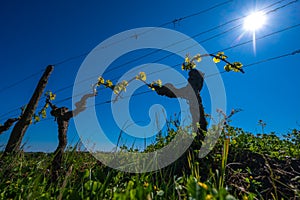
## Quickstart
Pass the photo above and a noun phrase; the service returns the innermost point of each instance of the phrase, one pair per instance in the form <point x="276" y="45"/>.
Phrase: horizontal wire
<point x="243" y="43"/>
<point x="21" y="81"/>
<point x="171" y="54"/>
<point x="228" y="48"/>
<point x="137" y="35"/>
<point x="211" y="75"/>
<point x="276" y="9"/>
<point x="86" y="53"/>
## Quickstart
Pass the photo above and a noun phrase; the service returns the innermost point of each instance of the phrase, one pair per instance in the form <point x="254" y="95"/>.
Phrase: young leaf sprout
<point x="43" y="112"/>
<point x="189" y="63"/>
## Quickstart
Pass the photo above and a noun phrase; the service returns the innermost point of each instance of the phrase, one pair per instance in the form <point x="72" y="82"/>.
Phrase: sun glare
<point x="254" y="21"/>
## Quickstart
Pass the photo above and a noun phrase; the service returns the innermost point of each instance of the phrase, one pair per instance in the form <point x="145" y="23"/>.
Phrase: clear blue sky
<point x="37" y="33"/>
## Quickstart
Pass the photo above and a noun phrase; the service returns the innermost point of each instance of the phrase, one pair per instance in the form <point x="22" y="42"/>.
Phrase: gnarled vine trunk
<point x="62" y="116"/>
<point x="191" y="93"/>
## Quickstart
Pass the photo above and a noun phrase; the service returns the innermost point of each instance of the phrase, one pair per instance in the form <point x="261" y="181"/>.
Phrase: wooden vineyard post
<point x="18" y="132"/>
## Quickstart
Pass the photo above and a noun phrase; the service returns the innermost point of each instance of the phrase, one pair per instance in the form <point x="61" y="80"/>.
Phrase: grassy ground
<point x="241" y="166"/>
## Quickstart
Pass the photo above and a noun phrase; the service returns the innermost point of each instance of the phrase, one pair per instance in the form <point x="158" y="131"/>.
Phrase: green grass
<point x="241" y="166"/>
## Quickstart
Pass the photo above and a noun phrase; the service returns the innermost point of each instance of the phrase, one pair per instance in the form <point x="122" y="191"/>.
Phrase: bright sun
<point x="254" y="21"/>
